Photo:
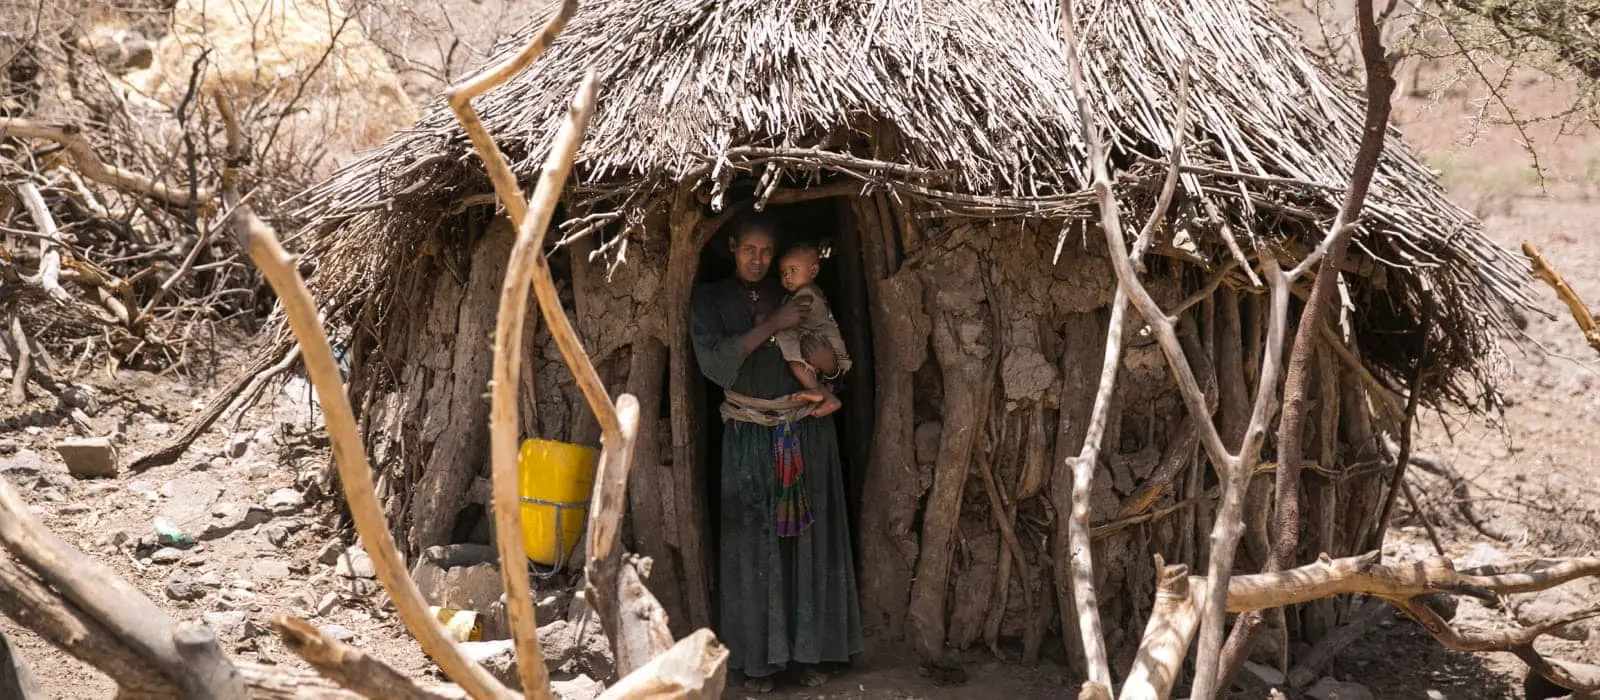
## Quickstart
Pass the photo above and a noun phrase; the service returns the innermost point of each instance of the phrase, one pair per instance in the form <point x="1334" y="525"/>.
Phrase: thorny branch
<point x="1580" y="311"/>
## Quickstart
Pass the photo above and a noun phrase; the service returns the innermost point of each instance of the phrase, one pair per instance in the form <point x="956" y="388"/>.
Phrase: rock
<point x="52" y="494"/>
<point x="329" y="554"/>
<point x="156" y="430"/>
<point x="338" y="633"/>
<point x="463" y="577"/>
<point x="238" y="444"/>
<point x="269" y="570"/>
<point x="576" y="648"/>
<point x="229" y="625"/>
<point x="579" y="687"/>
<point x="210" y="578"/>
<point x="228" y="517"/>
<point x="278" y="535"/>
<point x="362" y="587"/>
<point x="179" y="587"/>
<point x="1482" y="554"/>
<point x="74" y="509"/>
<point x="499" y="657"/>
<point x="190" y="499"/>
<point x="1330" y="689"/>
<point x="236" y="599"/>
<point x="24" y="463"/>
<point x="926" y="440"/>
<point x="1559" y="603"/>
<point x="304" y="600"/>
<point x="285" y="500"/>
<point x="354" y="563"/>
<point x="166" y="555"/>
<point x="329" y="602"/>
<point x="89" y="458"/>
<point x="1267" y="674"/>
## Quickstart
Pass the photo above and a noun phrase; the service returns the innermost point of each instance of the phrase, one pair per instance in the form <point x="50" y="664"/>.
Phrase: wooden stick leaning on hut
<point x="506" y="500"/>
<point x="1083" y="466"/>
<point x="1286" y="497"/>
<point x="1234" y="467"/>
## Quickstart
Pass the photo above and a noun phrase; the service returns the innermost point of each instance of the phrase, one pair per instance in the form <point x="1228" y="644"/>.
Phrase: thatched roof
<point x="976" y="93"/>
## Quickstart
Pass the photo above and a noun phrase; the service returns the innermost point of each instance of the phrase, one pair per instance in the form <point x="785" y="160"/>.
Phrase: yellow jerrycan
<point x="554" y="481"/>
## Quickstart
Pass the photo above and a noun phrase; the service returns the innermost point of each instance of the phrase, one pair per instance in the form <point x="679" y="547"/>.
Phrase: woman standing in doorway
<point x="787" y="580"/>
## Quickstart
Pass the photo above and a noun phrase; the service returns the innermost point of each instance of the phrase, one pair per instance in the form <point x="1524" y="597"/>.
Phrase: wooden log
<point x="695" y="668"/>
<point x="16" y="677"/>
<point x="350" y="667"/>
<point x="891" y="484"/>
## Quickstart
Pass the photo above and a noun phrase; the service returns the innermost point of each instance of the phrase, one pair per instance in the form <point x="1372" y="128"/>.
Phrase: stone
<point x="210" y="578"/>
<point x="1268" y="675"/>
<point x="238" y="444"/>
<point x="463" y="577"/>
<point x="1330" y="689"/>
<point x="329" y="554"/>
<point x="52" y="494"/>
<point x="278" y="535"/>
<point x="579" y="687"/>
<point x="156" y="430"/>
<point x="189" y="499"/>
<point x="362" y="587"/>
<point x="24" y="462"/>
<point x="304" y="600"/>
<point x="576" y="648"/>
<point x="926" y="439"/>
<point x="338" y="633"/>
<point x="229" y="516"/>
<point x="1558" y="603"/>
<point x="229" y="625"/>
<point x="80" y="397"/>
<point x="354" y="563"/>
<point x="166" y="555"/>
<point x="89" y="458"/>
<point x="328" y="603"/>
<point x="179" y="587"/>
<point x="269" y="570"/>
<point x="285" y="500"/>
<point x="499" y="657"/>
<point x="74" y="509"/>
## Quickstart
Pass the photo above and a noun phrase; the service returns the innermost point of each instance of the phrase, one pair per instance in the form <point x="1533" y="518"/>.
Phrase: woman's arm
<point x="720" y="353"/>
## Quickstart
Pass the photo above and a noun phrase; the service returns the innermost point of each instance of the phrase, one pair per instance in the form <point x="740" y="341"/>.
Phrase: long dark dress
<point x="782" y="599"/>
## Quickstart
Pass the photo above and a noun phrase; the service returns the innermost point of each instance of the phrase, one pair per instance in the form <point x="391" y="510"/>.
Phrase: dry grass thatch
<point x="697" y="92"/>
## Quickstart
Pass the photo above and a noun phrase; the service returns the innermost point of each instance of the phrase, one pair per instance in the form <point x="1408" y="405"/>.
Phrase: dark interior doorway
<point x="828" y="224"/>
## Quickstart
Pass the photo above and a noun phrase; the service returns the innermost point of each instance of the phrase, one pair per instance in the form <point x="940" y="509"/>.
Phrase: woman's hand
<point x="790" y="315"/>
<point x="819" y="355"/>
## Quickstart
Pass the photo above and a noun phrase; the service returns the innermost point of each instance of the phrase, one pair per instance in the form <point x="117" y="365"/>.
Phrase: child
<point x="797" y="269"/>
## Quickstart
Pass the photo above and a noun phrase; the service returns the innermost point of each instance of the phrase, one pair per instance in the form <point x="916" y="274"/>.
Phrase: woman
<point x="787" y="579"/>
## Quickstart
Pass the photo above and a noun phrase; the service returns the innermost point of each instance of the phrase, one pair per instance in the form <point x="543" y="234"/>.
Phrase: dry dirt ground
<point x="249" y="493"/>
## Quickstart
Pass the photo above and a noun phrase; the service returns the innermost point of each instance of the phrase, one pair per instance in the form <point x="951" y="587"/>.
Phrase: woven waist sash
<point x="793" y="512"/>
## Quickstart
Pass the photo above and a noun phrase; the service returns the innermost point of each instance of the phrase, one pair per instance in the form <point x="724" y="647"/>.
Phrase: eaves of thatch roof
<point x="976" y="93"/>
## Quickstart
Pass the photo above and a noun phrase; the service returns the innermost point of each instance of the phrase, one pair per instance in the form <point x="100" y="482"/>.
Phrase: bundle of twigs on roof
<point x="703" y="93"/>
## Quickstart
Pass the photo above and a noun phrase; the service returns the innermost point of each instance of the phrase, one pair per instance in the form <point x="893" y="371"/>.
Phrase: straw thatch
<point x="698" y="92"/>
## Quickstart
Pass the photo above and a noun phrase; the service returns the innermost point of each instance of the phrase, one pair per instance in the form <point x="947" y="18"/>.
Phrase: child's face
<point x="797" y="269"/>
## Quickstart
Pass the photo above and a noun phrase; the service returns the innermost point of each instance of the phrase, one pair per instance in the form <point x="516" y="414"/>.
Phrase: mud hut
<point x="933" y="149"/>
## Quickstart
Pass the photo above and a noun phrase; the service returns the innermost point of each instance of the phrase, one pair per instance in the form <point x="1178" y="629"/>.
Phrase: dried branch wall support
<point x="49" y="243"/>
<point x="355" y="474"/>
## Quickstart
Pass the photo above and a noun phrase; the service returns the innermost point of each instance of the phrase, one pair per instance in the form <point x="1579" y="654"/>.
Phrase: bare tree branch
<point x="89" y="163"/>
<point x="1580" y="311"/>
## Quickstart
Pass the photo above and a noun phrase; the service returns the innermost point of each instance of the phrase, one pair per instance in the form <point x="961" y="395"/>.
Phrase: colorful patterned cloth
<point x="794" y="506"/>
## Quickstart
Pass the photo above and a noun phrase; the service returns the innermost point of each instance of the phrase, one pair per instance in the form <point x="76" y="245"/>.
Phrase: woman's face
<point x="752" y="254"/>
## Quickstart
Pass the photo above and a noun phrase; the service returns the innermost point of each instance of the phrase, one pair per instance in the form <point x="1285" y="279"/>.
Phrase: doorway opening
<point x="828" y="224"/>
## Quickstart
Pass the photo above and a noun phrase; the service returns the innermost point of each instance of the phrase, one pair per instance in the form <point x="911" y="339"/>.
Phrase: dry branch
<point x="527" y="254"/>
<point x="49" y="243"/>
<point x="355" y="473"/>
<point x="693" y="669"/>
<point x="89" y="163"/>
<point x="1580" y="311"/>
<point x="351" y="667"/>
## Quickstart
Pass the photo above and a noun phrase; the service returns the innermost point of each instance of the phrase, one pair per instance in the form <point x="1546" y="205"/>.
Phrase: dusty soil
<point x="1530" y="475"/>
